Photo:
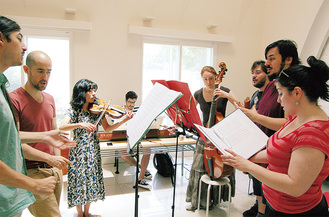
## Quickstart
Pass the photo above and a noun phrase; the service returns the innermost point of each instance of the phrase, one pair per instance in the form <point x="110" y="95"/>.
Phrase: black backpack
<point x="163" y="163"/>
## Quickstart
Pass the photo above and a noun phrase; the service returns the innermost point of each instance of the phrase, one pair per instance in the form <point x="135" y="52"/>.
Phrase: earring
<point x="297" y="103"/>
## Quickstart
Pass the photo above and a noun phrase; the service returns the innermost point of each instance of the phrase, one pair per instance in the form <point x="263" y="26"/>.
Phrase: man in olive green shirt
<point x="15" y="186"/>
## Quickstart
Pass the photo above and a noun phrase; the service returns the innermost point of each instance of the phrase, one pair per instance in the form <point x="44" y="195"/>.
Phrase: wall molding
<point x="52" y="24"/>
<point x="178" y="34"/>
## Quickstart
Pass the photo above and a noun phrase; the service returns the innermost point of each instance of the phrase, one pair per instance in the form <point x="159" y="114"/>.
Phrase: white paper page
<point x="243" y="136"/>
<point x="157" y="101"/>
<point x="217" y="141"/>
<point x="239" y="133"/>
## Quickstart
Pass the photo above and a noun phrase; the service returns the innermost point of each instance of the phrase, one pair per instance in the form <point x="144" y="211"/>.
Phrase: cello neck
<point x="218" y="80"/>
<point x="212" y="113"/>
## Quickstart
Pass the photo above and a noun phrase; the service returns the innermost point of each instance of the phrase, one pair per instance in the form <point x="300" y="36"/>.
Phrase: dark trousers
<point x="320" y="210"/>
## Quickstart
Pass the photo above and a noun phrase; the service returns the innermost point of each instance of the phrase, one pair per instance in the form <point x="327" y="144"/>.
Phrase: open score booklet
<point x="156" y="102"/>
<point x="237" y="133"/>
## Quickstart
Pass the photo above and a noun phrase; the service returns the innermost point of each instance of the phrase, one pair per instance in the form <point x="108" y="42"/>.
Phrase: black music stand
<point x="136" y="181"/>
<point x="184" y="114"/>
<point x="141" y="122"/>
<point x="136" y="178"/>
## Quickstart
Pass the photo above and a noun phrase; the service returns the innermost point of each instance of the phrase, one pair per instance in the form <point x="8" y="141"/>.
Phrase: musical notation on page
<point x="237" y="133"/>
<point x="156" y="102"/>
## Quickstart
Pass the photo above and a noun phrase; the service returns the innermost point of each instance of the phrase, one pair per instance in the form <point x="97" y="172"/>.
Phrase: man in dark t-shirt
<point x="260" y="81"/>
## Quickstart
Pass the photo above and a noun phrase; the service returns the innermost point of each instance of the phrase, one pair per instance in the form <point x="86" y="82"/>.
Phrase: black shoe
<point x="252" y="212"/>
<point x="143" y="184"/>
<point x="211" y="206"/>
<point x="260" y="215"/>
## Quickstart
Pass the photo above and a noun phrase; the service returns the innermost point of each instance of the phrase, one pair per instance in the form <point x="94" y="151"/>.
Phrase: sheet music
<point x="157" y="101"/>
<point x="232" y="133"/>
<point x="237" y="133"/>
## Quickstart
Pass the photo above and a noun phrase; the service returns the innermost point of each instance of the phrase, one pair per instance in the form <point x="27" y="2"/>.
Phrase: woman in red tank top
<point x="298" y="153"/>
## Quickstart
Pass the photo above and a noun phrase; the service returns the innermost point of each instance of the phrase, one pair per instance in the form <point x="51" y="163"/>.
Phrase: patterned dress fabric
<point x="85" y="175"/>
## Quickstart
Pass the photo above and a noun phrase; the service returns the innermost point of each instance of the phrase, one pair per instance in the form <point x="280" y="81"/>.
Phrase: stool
<point x="218" y="182"/>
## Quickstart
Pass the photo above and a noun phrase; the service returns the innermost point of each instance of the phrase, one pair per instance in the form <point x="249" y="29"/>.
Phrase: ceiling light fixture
<point x="148" y="19"/>
<point x="212" y="26"/>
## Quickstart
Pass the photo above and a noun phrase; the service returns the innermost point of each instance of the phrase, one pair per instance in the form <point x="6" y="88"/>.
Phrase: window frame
<point x="180" y="43"/>
<point x="49" y="34"/>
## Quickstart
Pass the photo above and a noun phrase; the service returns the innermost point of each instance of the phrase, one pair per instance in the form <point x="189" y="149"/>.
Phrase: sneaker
<point x="252" y="212"/>
<point x="191" y="208"/>
<point x="148" y="175"/>
<point x="143" y="184"/>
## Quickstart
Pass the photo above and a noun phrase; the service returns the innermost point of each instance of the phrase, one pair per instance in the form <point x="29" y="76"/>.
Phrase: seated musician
<point x="204" y="97"/>
<point x="131" y="98"/>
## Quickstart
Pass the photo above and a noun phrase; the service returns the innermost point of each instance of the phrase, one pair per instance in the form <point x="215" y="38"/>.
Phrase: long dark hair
<point x="79" y="93"/>
<point x="312" y="80"/>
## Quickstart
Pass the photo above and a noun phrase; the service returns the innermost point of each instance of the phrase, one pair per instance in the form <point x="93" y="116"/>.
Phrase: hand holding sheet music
<point x="238" y="133"/>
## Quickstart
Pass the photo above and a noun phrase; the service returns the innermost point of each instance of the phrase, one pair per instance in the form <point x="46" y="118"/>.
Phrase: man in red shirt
<point x="36" y="113"/>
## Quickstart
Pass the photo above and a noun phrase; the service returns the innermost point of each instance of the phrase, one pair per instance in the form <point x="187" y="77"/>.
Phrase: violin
<point x="100" y="106"/>
<point x="212" y="160"/>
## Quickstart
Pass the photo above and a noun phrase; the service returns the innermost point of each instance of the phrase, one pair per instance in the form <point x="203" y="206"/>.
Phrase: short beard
<point x="276" y="74"/>
<point x="38" y="88"/>
<point x="261" y="83"/>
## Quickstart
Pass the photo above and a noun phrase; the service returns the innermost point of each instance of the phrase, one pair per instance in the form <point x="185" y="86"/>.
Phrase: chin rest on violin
<point x="113" y="111"/>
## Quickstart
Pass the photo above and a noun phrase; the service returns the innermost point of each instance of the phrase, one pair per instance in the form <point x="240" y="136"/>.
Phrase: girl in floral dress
<point x="85" y="175"/>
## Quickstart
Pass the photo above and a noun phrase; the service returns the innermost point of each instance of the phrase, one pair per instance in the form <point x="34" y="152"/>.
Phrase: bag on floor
<point x="163" y="163"/>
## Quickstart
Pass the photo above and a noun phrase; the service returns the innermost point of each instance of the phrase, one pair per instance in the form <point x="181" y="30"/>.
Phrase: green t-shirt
<point x="12" y="200"/>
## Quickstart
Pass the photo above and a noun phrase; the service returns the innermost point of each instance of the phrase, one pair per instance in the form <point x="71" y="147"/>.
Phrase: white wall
<point x="112" y="58"/>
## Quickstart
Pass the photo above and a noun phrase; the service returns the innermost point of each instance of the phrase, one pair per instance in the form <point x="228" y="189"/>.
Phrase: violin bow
<point x="100" y="116"/>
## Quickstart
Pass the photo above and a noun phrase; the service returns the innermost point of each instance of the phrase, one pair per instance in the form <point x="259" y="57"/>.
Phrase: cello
<point x="212" y="159"/>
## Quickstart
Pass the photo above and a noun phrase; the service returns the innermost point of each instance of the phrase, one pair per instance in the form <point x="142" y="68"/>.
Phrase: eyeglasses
<point x="131" y="102"/>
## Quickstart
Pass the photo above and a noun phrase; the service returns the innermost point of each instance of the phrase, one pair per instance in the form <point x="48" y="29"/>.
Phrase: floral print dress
<point x="85" y="175"/>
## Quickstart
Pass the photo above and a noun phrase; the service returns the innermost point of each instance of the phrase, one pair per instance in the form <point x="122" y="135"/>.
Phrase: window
<point x="175" y="61"/>
<point x="58" y="49"/>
